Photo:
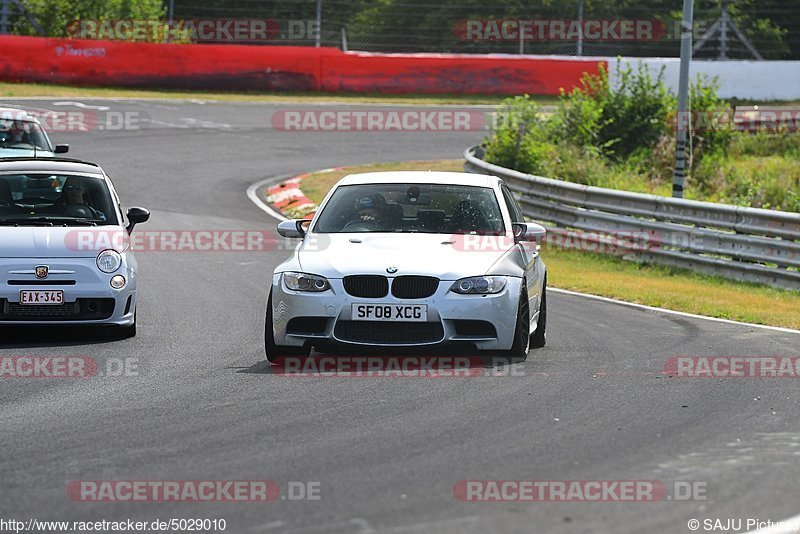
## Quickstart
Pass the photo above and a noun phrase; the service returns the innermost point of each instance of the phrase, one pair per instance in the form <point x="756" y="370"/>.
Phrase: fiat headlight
<point x="109" y="261"/>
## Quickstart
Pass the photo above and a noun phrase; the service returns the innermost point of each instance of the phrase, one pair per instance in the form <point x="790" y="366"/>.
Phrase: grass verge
<point x="610" y="276"/>
<point x="22" y="90"/>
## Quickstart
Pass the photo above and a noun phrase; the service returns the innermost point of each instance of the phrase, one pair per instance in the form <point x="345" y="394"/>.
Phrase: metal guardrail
<point x="748" y="244"/>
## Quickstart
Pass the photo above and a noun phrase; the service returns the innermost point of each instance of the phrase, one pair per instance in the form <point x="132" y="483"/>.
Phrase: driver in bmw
<point x="73" y="194"/>
<point x="371" y="209"/>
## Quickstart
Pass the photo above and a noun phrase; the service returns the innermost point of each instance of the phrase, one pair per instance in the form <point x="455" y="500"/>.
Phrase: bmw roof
<point x="420" y="177"/>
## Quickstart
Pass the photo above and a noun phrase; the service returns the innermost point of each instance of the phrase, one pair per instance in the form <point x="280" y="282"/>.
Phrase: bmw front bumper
<point x="487" y="322"/>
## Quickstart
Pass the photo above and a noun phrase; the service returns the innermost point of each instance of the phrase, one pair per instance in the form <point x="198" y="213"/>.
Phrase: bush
<point x="716" y="134"/>
<point x="579" y="118"/>
<point x="519" y="136"/>
<point x="616" y="120"/>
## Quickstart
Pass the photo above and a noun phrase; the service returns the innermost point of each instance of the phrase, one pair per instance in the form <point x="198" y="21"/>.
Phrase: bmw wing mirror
<point x="529" y="232"/>
<point x="62" y="149"/>
<point x="294" y="228"/>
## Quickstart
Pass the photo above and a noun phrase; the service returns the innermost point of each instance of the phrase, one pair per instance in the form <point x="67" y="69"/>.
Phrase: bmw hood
<point x="58" y="241"/>
<point x="448" y="257"/>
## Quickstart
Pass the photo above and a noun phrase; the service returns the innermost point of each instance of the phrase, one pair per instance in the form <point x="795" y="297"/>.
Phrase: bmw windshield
<point x="419" y="208"/>
<point x="45" y="199"/>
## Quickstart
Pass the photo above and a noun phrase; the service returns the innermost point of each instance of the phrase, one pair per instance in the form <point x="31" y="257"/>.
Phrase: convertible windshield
<point x="423" y="208"/>
<point x="35" y="199"/>
<point x="22" y="135"/>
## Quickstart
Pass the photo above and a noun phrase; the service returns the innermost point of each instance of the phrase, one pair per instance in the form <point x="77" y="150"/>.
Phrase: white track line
<point x="252" y="193"/>
<point x="80" y="105"/>
<point x="672" y="312"/>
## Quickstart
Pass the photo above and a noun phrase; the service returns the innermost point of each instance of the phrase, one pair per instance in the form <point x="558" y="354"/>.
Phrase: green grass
<point x="673" y="289"/>
<point x="613" y="277"/>
<point x="761" y="170"/>
<point x="22" y="90"/>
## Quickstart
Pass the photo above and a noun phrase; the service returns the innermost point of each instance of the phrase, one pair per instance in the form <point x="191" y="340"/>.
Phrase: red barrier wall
<point x="117" y="63"/>
<point x="279" y="68"/>
<point x="452" y="73"/>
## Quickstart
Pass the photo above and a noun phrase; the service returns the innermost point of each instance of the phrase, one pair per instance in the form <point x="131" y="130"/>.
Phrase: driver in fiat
<point x="75" y="204"/>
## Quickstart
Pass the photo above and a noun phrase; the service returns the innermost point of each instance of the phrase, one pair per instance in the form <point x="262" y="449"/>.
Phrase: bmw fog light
<point x="118" y="281"/>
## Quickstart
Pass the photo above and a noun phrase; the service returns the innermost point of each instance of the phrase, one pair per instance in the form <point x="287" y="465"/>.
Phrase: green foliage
<point x="624" y="138"/>
<point x="520" y="136"/>
<point x="771" y="182"/>
<point x="706" y="105"/>
<point x="765" y="144"/>
<point x="55" y="16"/>
<point x="579" y="118"/>
<point x="616" y="120"/>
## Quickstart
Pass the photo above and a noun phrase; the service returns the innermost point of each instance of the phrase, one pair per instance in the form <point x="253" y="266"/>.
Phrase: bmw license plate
<point x="390" y="312"/>
<point x="41" y="297"/>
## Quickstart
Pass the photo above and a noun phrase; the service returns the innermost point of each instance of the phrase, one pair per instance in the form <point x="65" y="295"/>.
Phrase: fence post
<point x="4" y="16"/>
<point x="679" y="176"/>
<point x="318" y="36"/>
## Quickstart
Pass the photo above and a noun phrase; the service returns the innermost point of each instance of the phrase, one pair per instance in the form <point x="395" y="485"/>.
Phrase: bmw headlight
<point x="479" y="285"/>
<point x="109" y="261"/>
<point x="306" y="282"/>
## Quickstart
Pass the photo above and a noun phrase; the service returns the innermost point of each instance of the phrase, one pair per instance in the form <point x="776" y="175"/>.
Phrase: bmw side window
<point x="513" y="208"/>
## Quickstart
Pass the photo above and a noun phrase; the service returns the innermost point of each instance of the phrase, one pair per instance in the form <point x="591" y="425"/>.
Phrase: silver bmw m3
<point x="411" y="259"/>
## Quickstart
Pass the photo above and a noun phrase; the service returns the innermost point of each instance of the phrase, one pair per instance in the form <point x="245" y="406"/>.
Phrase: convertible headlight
<point x="479" y="285"/>
<point x="306" y="282"/>
<point x="109" y="261"/>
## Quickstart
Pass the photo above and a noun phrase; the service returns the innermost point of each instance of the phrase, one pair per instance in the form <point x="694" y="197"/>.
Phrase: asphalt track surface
<point x="204" y="405"/>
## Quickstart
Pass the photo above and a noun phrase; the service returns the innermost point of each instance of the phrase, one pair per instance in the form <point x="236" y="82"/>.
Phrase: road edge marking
<point x="252" y="194"/>
<point x="672" y="312"/>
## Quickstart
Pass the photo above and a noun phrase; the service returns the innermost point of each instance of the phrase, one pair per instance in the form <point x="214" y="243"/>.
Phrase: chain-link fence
<point x="724" y="29"/>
